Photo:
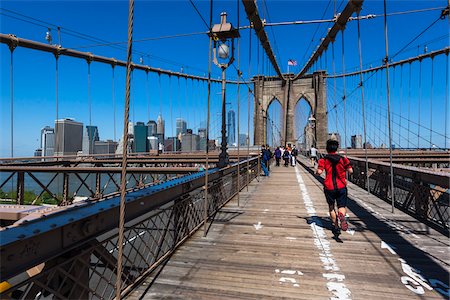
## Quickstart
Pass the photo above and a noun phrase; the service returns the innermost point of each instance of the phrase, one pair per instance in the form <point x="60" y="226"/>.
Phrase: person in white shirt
<point x="313" y="155"/>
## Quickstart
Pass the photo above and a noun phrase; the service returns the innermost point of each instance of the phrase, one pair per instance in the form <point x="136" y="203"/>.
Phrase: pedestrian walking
<point x="335" y="185"/>
<point x="286" y="157"/>
<point x="264" y="159"/>
<point x="294" y="154"/>
<point x="313" y="155"/>
<point x="277" y="156"/>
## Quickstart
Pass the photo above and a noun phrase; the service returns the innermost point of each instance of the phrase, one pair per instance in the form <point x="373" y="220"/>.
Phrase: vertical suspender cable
<point x="114" y="101"/>
<point x="124" y="153"/>
<point x="409" y="102"/>
<point x="401" y="100"/>
<point x="11" y="82"/>
<point x="238" y="109"/>
<point x="208" y="115"/>
<point x="446" y="104"/>
<point x="431" y="102"/>
<point x="56" y="101"/>
<point x="90" y="132"/>
<point x="344" y="96"/>
<point x="334" y="82"/>
<point x="420" y="100"/>
<point x="248" y="104"/>
<point x="363" y="104"/>
<point x="147" y="91"/>
<point x="386" y="61"/>
<point x="170" y="104"/>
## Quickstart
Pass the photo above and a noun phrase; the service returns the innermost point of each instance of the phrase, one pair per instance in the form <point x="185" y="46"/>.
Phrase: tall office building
<point x="151" y="127"/>
<point x="105" y="147"/>
<point x="68" y="137"/>
<point x="172" y="144"/>
<point x="152" y="143"/>
<point x="181" y="126"/>
<point x="140" y="137"/>
<point x="190" y="142"/>
<point x="160" y="129"/>
<point x="38" y="152"/>
<point x="48" y="141"/>
<point x="202" y="138"/>
<point x="356" y="141"/>
<point x="242" y="139"/>
<point x="89" y="138"/>
<point x="231" y="130"/>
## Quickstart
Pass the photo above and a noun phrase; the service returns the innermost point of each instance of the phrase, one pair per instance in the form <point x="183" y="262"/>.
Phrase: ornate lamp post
<point x="223" y="35"/>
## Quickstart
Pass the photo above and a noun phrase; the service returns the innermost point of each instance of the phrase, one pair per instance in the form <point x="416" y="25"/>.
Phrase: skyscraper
<point x="190" y="142"/>
<point x="48" y="141"/>
<point x="242" y="139"/>
<point x="160" y="129"/>
<point x="202" y="136"/>
<point x="151" y="127"/>
<point x="89" y="138"/>
<point x="140" y="137"/>
<point x="69" y="137"/>
<point x="181" y="126"/>
<point x="356" y="141"/>
<point x="231" y="130"/>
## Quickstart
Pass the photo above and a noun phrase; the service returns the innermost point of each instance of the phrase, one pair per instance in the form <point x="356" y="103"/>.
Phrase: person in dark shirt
<point x="277" y="156"/>
<point x="335" y="185"/>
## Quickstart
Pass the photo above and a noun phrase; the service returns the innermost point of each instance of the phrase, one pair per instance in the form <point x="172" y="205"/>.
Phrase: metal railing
<point x="423" y="194"/>
<point x="73" y="254"/>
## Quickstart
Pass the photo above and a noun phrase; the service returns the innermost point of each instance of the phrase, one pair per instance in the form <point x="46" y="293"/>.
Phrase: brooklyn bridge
<point x="179" y="200"/>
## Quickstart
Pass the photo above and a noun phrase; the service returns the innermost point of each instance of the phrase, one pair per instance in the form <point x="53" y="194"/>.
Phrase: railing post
<point x="98" y="179"/>
<point x="65" y="199"/>
<point x="20" y="187"/>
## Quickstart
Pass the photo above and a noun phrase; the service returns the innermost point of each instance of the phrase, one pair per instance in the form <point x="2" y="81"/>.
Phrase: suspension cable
<point x="344" y="95"/>
<point x="420" y="100"/>
<point x="363" y="105"/>
<point x="90" y="132"/>
<point x="401" y="100"/>
<point x="446" y="103"/>
<point x="11" y="82"/>
<point x="409" y="102"/>
<point x="113" y="93"/>
<point x="431" y="103"/>
<point x="208" y="117"/>
<point x="239" y="107"/>
<point x="124" y="152"/>
<point x="389" y="105"/>
<point x="248" y="105"/>
<point x="56" y="102"/>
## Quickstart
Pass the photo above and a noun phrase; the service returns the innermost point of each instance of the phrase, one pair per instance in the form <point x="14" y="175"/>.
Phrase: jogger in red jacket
<point x="335" y="185"/>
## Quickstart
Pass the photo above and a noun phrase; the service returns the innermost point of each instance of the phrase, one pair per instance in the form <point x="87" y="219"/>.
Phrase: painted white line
<point x="335" y="280"/>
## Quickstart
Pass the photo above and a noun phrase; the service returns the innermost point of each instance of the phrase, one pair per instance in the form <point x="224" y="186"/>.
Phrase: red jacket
<point x="334" y="180"/>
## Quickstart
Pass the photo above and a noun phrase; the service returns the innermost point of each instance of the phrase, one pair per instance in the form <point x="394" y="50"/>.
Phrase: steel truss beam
<point x="351" y="7"/>
<point x="258" y="26"/>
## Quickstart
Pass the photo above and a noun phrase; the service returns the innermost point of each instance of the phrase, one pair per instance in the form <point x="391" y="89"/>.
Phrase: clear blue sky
<point x="34" y="72"/>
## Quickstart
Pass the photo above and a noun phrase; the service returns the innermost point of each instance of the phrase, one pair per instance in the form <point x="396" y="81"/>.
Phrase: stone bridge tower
<point x="311" y="87"/>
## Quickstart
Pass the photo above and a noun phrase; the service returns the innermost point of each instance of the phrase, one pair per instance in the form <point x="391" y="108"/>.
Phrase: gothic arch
<point x="310" y="87"/>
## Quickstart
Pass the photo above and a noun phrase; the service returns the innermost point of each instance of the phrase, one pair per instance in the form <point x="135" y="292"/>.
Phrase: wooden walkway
<point x="278" y="245"/>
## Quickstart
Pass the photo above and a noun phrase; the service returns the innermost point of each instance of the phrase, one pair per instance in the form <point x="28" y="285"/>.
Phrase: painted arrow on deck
<point x="258" y="226"/>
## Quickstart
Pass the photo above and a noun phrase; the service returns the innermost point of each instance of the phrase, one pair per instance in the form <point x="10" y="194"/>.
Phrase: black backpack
<point x="334" y="159"/>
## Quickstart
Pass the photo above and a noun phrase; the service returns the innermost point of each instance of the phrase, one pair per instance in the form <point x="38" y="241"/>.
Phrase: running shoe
<point x="343" y="221"/>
